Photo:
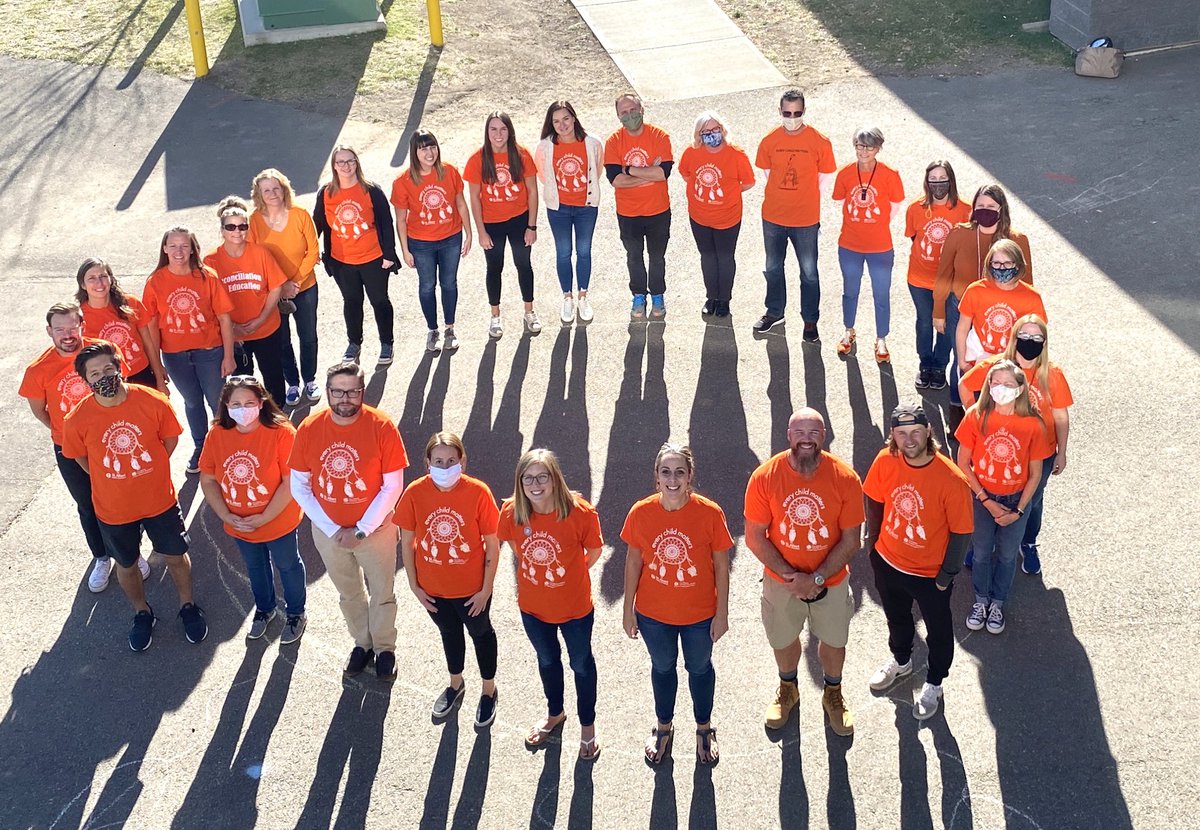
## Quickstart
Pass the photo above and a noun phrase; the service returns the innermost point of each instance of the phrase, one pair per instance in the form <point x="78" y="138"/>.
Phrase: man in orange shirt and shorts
<point x="804" y="515"/>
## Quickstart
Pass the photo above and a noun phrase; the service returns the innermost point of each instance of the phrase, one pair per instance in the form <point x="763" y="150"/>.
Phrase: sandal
<point x="881" y="352"/>
<point x="540" y="734"/>
<point x="846" y="344"/>
<point x="707" y="751"/>
<point x="589" y="750"/>
<point x="659" y="745"/>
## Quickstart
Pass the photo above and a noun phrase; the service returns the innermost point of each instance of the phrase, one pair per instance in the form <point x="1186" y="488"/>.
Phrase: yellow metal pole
<point x="196" y="33"/>
<point x="435" y="22"/>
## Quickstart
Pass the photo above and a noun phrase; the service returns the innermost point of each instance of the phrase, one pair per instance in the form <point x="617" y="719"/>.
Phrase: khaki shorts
<point x="828" y="618"/>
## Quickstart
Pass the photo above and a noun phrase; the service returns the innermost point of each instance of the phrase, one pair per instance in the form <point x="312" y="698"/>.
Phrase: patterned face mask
<point x="107" y="386"/>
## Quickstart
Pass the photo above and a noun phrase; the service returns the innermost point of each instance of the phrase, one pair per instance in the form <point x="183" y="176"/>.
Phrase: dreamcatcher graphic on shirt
<point x="71" y="390"/>
<point x="1000" y="451"/>
<point x="671" y="555"/>
<point x="936" y="231"/>
<point x="444" y="533"/>
<point x="802" y="515"/>
<point x="120" y="335"/>
<point x="183" y="311"/>
<point x="998" y="322"/>
<point x="571" y="175"/>
<point x="861" y="204"/>
<point x="906" y="511"/>
<point x="435" y="206"/>
<point x="340" y="472"/>
<point x="123" y="450"/>
<point x="241" y="482"/>
<point x="504" y="189"/>
<point x="636" y="157"/>
<point x="348" y="221"/>
<point x="540" y="560"/>
<point x="707" y="183"/>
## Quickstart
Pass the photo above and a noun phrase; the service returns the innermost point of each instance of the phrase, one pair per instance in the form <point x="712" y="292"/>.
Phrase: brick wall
<point x="1131" y="25"/>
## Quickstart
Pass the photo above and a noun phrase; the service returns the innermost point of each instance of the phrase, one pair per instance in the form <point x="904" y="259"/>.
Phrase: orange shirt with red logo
<point x="432" y="205"/>
<point x="922" y="506"/>
<point x="105" y="324"/>
<point x="1058" y="396"/>
<point x="448" y="528"/>
<point x="1000" y="456"/>
<point x="571" y="172"/>
<point x="793" y="194"/>
<point x="677" y="585"/>
<point x="130" y="468"/>
<point x="187" y="308"/>
<point x="347" y="463"/>
<point x="714" y="184"/>
<point x="351" y="217"/>
<point x="642" y="150"/>
<point x="506" y="197"/>
<point x="928" y="228"/>
<point x="867" y="200"/>
<point x="248" y="280"/>
<point x="553" y="582"/>
<point x="251" y="467"/>
<point x="52" y="377"/>
<point x="805" y="517"/>
<point x="994" y="310"/>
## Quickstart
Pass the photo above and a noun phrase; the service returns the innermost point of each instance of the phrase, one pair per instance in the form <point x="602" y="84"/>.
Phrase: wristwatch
<point x="531" y="227"/>
<point x="626" y="170"/>
<point x="818" y="580"/>
<point x="359" y="534"/>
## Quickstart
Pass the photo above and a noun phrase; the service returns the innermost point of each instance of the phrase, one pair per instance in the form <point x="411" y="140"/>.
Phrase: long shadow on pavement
<point x="793" y="793"/>
<point x="914" y="769"/>
<point x="564" y="415"/>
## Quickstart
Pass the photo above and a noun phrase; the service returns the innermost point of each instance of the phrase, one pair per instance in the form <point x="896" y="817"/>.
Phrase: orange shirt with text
<point x="714" y="184"/>
<point x="432" y="205"/>
<point x="52" y="377"/>
<point x="1000" y="457"/>
<point x="1058" y="396"/>
<point x="187" y="308"/>
<point x="251" y="467"/>
<point x="506" y="197"/>
<point x="448" y="529"/>
<point x="642" y="150"/>
<point x="994" y="310"/>
<point x="105" y="324"/>
<point x="295" y="248"/>
<point x="928" y="228"/>
<point x="793" y="194"/>
<point x="867" y="200"/>
<point x="248" y="280"/>
<point x="571" y="172"/>
<point x="351" y="217"/>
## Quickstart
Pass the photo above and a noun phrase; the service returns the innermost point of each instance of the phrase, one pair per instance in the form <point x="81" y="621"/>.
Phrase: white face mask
<point x="1005" y="394"/>
<point x="446" y="477"/>
<point x="792" y="124"/>
<point x="245" y="415"/>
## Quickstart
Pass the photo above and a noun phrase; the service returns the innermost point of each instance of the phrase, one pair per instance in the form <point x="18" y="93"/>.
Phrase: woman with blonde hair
<point x="990" y="306"/>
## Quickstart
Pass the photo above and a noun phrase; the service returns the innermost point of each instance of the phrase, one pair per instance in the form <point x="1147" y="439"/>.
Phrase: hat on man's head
<point x="909" y="414"/>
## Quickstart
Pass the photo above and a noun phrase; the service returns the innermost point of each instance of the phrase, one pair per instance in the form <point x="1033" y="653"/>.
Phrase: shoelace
<point x="293" y="619"/>
<point x="835" y="697"/>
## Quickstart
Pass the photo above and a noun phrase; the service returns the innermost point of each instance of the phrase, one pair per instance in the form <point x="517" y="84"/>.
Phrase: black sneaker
<point x="485" y="713"/>
<point x="385" y="666"/>
<point x="766" y="322"/>
<point x="195" y="627"/>
<point x="810" y="333"/>
<point x="142" y="633"/>
<point x="193" y="466"/>
<point x="710" y="307"/>
<point x="360" y="658"/>
<point x="386" y="353"/>
<point x="722" y="309"/>
<point x="937" y="379"/>
<point x="448" y="700"/>
<point x="922" y="381"/>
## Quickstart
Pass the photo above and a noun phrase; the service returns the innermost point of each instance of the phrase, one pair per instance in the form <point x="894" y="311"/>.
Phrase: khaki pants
<point x="369" y="609"/>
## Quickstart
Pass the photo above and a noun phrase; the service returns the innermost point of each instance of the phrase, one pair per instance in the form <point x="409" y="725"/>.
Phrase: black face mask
<point x="939" y="190"/>
<point x="1029" y="349"/>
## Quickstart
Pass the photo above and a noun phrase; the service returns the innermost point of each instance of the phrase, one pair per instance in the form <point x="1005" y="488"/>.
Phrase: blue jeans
<point x="1033" y="516"/>
<point x="996" y="550"/>
<point x="662" y="641"/>
<point x="197" y="376"/>
<point x="581" y="219"/>
<point x="804" y="241"/>
<point x="879" y="266"/>
<point x="933" y="349"/>
<point x="437" y="264"/>
<point x="577" y="634"/>
<point x="286" y="556"/>
<point x="951" y="327"/>
<point x="306" y="329"/>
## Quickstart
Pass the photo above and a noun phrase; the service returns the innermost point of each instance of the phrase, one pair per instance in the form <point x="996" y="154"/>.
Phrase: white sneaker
<point x="495" y="328"/>
<point x="532" y="323"/>
<point x="584" y="308"/>
<point x="568" y="309"/>
<point x="927" y="702"/>
<point x="889" y="673"/>
<point x="431" y="340"/>
<point x="450" y="339"/>
<point x="144" y="567"/>
<point x="312" y="391"/>
<point x="101" y="573"/>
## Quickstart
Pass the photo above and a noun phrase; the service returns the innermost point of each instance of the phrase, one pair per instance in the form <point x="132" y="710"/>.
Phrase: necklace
<point x="862" y="196"/>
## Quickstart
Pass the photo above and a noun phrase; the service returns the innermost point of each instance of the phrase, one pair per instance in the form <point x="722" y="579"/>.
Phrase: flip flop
<point x="539" y="735"/>
<point x="707" y="751"/>
<point x="659" y="745"/>
<point x="589" y="750"/>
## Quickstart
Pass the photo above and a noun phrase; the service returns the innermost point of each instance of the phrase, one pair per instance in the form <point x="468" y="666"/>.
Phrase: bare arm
<point x="960" y="342"/>
<point x="593" y="555"/>
<point x="272" y="300"/>
<point x="408" y="553"/>
<point x="633" y="573"/>
<point x="40" y="411"/>
<point x="720" y="623"/>
<point x="228" y="364"/>
<point x="402" y="233"/>
<point x="466" y="223"/>
<point x="170" y="443"/>
<point x="991" y="505"/>
<point x="215" y="499"/>
<point x="485" y="239"/>
<point x="531" y="187"/>
<point x="491" y="562"/>
<point x="1062" y="431"/>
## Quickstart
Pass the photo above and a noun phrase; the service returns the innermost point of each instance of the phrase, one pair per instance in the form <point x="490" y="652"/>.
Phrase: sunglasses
<point x="239" y="227"/>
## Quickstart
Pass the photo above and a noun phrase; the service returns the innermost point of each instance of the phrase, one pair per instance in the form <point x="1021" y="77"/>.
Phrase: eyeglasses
<point x="540" y="478"/>
<point x="864" y="147"/>
<point x="240" y="227"/>
<point x="233" y="407"/>
<point x="709" y="132"/>
<point x="938" y="181"/>
<point x="344" y="163"/>
<point x="1000" y="263"/>
<point x="338" y="394"/>
<point x="790" y="113"/>
<point x="1032" y="338"/>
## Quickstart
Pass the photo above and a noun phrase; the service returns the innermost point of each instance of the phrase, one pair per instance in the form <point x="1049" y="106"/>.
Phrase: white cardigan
<point x="544" y="161"/>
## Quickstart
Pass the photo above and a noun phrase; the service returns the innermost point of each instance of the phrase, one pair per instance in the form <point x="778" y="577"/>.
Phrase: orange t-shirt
<point x="677" y="585"/>
<point x="105" y="324"/>
<point x="504" y="198"/>
<point x="922" y="506"/>
<point x="928" y="228"/>
<point x="347" y="463"/>
<point x="1001" y="457"/>
<point x="248" y="280"/>
<point x="187" y="308"/>
<point x="961" y="263"/>
<point x="571" y="173"/>
<point x="994" y="310"/>
<point x="793" y="194"/>
<point x="351" y="217"/>
<point x="432" y="205"/>
<point x="295" y="248"/>
<point x="52" y="378"/>
<point x="624" y="149"/>
<point x="714" y="184"/>
<point x="252" y="467"/>
<point x="1058" y="396"/>
<point x="449" y="528"/>
<point x="867" y="200"/>
<point x="805" y="517"/>
<point x="130" y="468"/>
<point x="553" y="582"/>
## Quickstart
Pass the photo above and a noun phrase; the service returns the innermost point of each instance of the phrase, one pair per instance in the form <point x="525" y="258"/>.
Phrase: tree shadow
<point x="793" y="794"/>
<point x="664" y="813"/>
<point x="564" y="414"/>
<point x="160" y="34"/>
<point x="416" y="109"/>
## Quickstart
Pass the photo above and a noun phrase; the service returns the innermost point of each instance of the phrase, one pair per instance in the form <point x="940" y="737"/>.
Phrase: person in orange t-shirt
<point x="927" y="223"/>
<point x="638" y="162"/>
<point x="447" y="524"/>
<point x="287" y="231"/>
<point x="804" y="515"/>
<point x="919" y="523"/>
<point x="120" y="318"/>
<point x="347" y="473"/>
<point x="989" y="307"/>
<point x="677" y="592"/>
<point x="191" y="324"/>
<point x="254" y="282"/>
<point x="123" y="436"/>
<point x="871" y="193"/>
<point x="244" y="474"/>
<point x="555" y="535"/>
<point x="716" y="173"/>
<point x="1002" y="442"/>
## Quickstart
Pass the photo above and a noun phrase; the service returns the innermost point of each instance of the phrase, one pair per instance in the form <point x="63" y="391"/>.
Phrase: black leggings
<point x="371" y="278"/>
<point x="509" y="232"/>
<point x="717" y="263"/>
<point x="897" y="592"/>
<point x="451" y="618"/>
<point x="267" y="352"/>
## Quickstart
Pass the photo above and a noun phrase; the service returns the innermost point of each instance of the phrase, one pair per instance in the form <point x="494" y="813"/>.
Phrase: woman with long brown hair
<point x="110" y="313"/>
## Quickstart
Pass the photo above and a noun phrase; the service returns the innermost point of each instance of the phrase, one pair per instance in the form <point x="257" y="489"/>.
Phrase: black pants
<point x="268" y="353"/>
<point x="451" y="618"/>
<point x="897" y="591"/>
<point x="79" y="485"/>
<point x="143" y="378"/>
<point x="717" y="262"/>
<point x="509" y="232"/>
<point x="647" y="234"/>
<point x="353" y="280"/>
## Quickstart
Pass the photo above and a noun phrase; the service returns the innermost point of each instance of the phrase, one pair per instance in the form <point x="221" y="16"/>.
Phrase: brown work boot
<point x="841" y="719"/>
<point x="785" y="700"/>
